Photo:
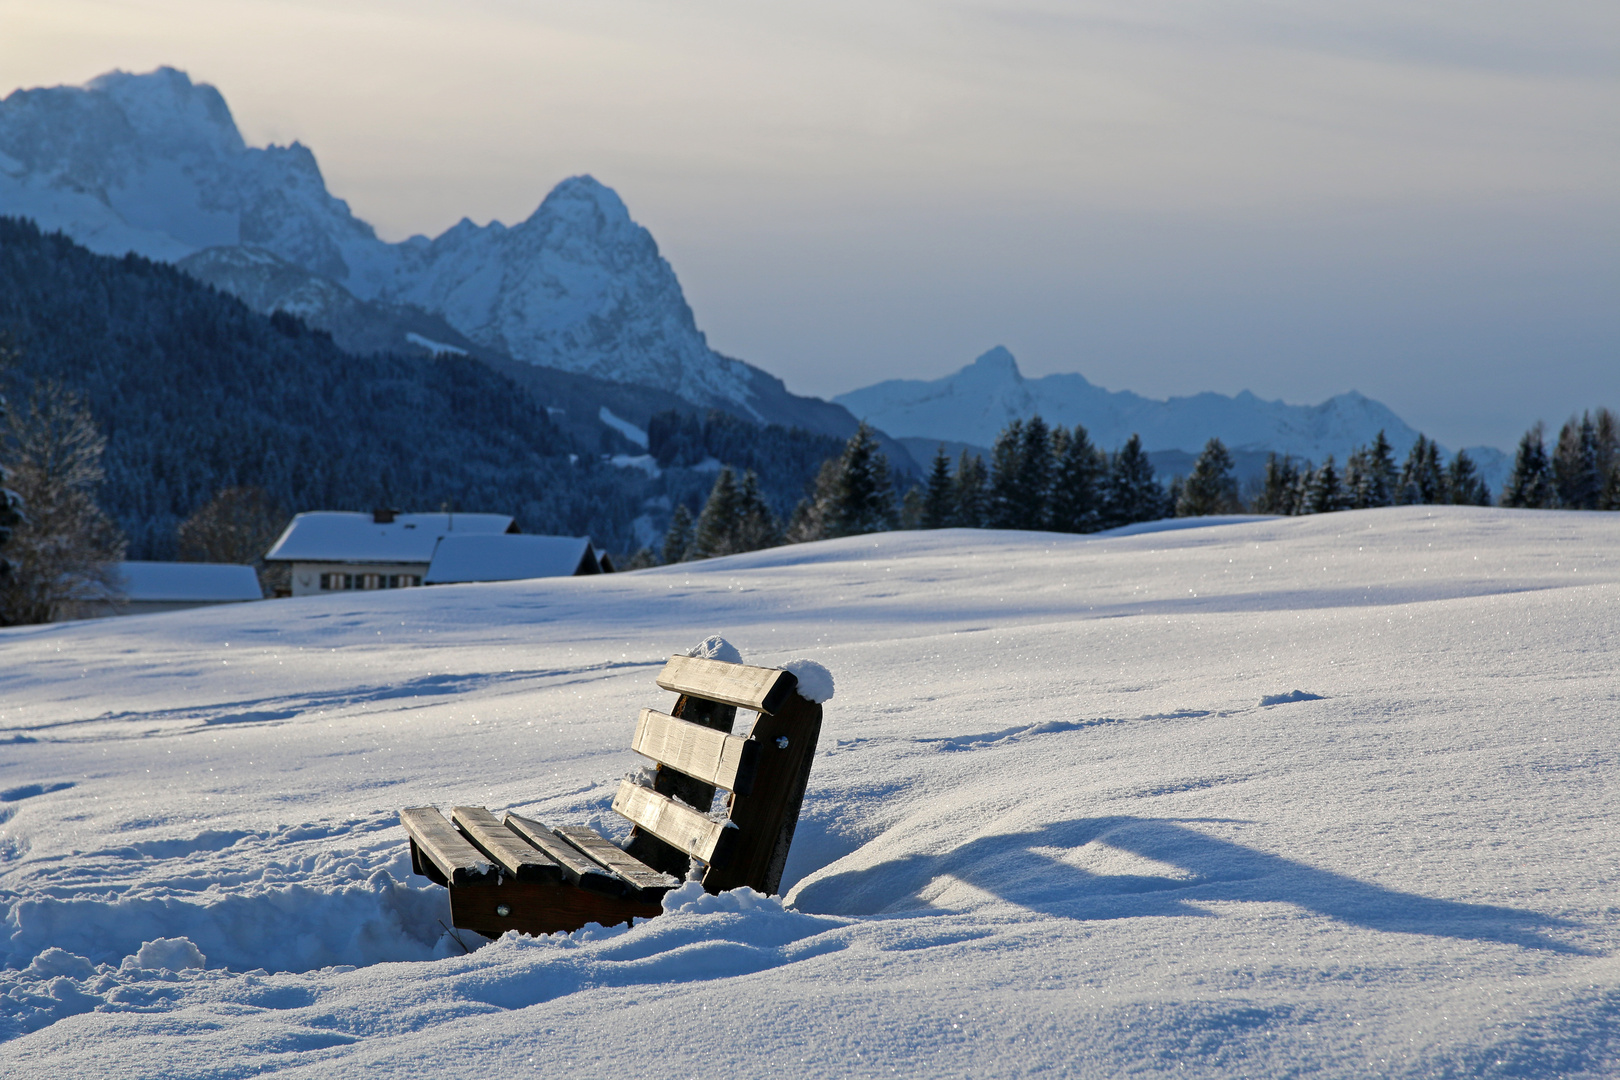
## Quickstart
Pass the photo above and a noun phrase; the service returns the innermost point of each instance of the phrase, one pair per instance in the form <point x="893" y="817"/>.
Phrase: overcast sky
<point x="1417" y="200"/>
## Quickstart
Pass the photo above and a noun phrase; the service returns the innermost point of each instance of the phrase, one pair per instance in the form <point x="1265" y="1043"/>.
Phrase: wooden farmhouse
<point x="335" y="551"/>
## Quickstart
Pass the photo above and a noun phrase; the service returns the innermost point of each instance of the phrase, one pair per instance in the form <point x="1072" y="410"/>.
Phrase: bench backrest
<point x="765" y="773"/>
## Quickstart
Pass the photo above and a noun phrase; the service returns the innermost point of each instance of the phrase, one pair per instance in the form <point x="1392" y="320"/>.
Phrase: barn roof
<point x="345" y="537"/>
<point x="201" y="583"/>
<point x="464" y="558"/>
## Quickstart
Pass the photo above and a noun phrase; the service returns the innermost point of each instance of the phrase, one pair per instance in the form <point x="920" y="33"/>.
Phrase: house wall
<point x="325" y="578"/>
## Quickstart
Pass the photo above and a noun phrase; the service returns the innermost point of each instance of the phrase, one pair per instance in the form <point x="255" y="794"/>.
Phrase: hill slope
<point x="1068" y="818"/>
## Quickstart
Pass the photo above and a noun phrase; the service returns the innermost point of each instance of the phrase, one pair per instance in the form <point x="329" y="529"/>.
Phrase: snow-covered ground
<point x="1051" y="829"/>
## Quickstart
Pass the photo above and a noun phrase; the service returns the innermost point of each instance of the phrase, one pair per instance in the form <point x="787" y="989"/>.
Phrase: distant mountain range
<point x="570" y="302"/>
<point x="155" y="164"/>
<point x="972" y="405"/>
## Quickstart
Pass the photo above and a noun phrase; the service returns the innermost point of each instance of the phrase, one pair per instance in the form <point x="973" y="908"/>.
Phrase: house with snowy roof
<point x="335" y="551"/>
<point x="146" y="587"/>
<point x="468" y="558"/>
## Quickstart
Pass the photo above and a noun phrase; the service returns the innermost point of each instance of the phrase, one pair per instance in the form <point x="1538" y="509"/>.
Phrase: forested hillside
<point x="195" y="393"/>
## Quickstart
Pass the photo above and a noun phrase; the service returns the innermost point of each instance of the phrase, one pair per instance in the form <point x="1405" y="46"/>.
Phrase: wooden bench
<point x="515" y="873"/>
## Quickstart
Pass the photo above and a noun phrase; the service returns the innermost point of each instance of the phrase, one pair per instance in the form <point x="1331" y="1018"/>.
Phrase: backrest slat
<point x="761" y="689"/>
<point x="681" y="826"/>
<point x="725" y="761"/>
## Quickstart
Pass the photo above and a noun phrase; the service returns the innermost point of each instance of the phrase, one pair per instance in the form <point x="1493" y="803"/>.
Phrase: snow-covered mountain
<point x="976" y="402"/>
<point x="154" y="164"/>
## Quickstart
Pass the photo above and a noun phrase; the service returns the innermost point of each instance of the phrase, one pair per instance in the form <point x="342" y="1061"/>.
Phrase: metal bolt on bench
<point x="520" y="874"/>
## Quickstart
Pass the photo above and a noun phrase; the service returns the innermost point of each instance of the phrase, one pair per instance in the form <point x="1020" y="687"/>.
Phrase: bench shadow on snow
<point x="1018" y="868"/>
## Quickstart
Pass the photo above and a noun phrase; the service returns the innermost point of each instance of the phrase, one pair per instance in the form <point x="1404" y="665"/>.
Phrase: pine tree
<point x="1325" y="493"/>
<point x="1531" y="483"/>
<point x="970" y="492"/>
<point x="66" y="549"/>
<point x="911" y="508"/>
<point x="1034" y="486"/>
<point x="1422" y="480"/>
<point x="715" y="532"/>
<point x="1279" y="493"/>
<point x="756" y="527"/>
<point x="10" y="501"/>
<point x="679" y="537"/>
<point x="1381" y="475"/>
<point x="1076" y="498"/>
<point x="1464" y="485"/>
<point x="1211" y="488"/>
<point x="1132" y="493"/>
<point x="862" y="498"/>
<point x="1576" y="473"/>
<point x="938" y="502"/>
<point x="1357" y="480"/>
<point x="1005" y="503"/>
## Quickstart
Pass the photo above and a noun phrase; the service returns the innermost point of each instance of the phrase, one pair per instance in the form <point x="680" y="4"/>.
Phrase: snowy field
<point x="1069" y="816"/>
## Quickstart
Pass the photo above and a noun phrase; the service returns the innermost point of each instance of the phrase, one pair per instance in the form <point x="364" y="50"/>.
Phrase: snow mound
<point x="166" y="954"/>
<point x="1292" y="695"/>
<point x="715" y="647"/>
<point x="815" y="681"/>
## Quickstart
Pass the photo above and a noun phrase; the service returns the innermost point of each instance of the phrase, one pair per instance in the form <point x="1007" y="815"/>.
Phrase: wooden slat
<point x="537" y="909"/>
<point x="577" y="869"/>
<point x="607" y="853"/>
<point x="762" y="689"/>
<point x="520" y="859"/>
<point x="677" y="785"/>
<point x="438" y="841"/>
<point x="714" y="757"/>
<point x="685" y="828"/>
<point x="766" y="819"/>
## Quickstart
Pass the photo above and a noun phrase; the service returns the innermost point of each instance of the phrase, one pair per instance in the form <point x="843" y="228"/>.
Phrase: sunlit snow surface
<point x="1051" y="829"/>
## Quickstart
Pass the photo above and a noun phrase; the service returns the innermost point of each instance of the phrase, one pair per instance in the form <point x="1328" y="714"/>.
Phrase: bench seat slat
<point x="678" y="825"/>
<point x="520" y="859"/>
<point x="439" y="842"/>
<point x="613" y="857"/>
<point x="726" y="761"/>
<point x="761" y="689"/>
<point x="576" y="868"/>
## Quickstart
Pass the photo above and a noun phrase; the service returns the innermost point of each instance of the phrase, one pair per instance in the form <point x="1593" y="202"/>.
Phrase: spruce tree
<point x="1076" y="494"/>
<point x="679" y="537"/>
<point x="970" y="493"/>
<point x="1381" y="477"/>
<point x="10" y="501"/>
<point x="1132" y="493"/>
<point x="863" y="493"/>
<point x="1034" y="486"/>
<point x="1576" y="473"/>
<point x="1464" y="485"/>
<point x="1279" y="493"/>
<point x="1005" y="504"/>
<point x="1325" y="493"/>
<point x="756" y="527"/>
<point x="1530" y="484"/>
<point x="939" y="501"/>
<point x="1357" y="480"/>
<point x="1211" y="488"/>
<point x="716" y="531"/>
<point x="1422" y="481"/>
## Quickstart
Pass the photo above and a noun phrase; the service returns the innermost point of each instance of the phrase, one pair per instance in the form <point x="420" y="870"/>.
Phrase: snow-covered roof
<point x="508" y="558"/>
<point x="342" y="536"/>
<point x="203" y="583"/>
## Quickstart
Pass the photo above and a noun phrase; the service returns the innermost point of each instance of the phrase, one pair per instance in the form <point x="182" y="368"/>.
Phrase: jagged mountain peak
<point x="167" y="110"/>
<point x="997" y="361"/>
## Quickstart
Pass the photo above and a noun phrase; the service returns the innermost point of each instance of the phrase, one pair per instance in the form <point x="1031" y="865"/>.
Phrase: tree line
<point x="1053" y="478"/>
